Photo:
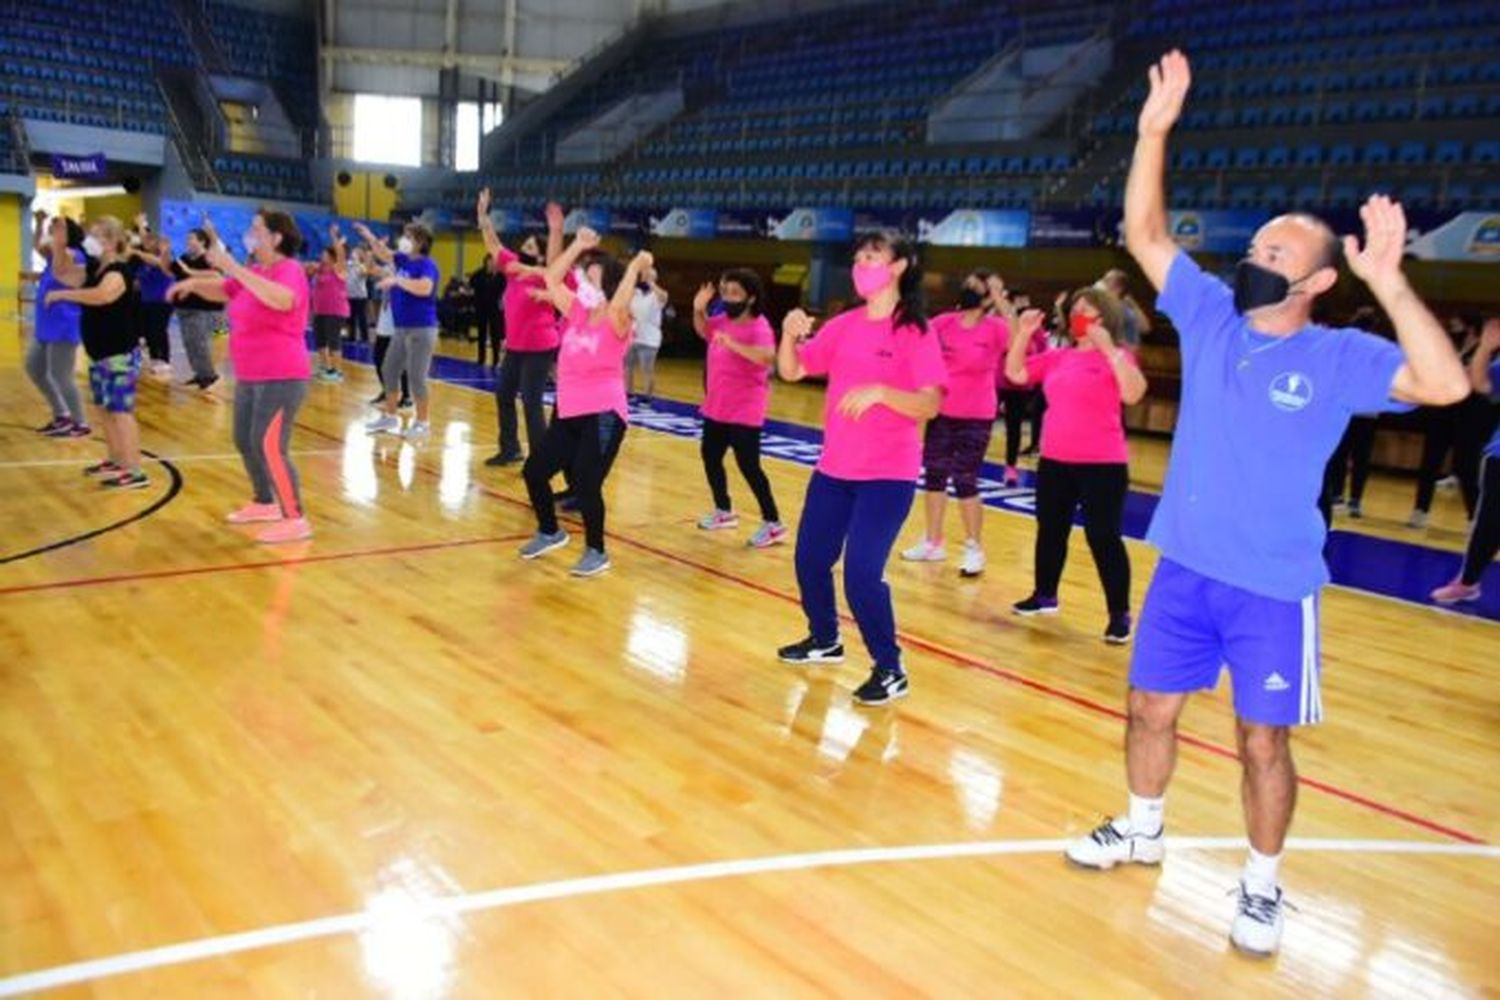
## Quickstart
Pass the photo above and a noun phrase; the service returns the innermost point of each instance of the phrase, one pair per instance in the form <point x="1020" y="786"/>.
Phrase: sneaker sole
<point x="718" y="527"/>
<point x="967" y="575"/>
<point x="765" y="545"/>
<point x="1455" y="601"/>
<point x="541" y="552"/>
<point x="810" y="661"/>
<point x="1110" y="640"/>
<point x="1155" y="863"/>
<point x="883" y="701"/>
<point x="1249" y="952"/>
<point x="1036" y="613"/>
<point x="111" y="488"/>
<point x="584" y="574"/>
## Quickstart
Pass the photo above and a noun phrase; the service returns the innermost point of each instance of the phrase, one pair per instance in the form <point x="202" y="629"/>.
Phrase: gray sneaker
<point x="541" y="544"/>
<point x="593" y="563"/>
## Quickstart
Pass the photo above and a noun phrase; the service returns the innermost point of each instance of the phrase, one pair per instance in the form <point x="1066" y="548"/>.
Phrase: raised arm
<point x="1146" y="234"/>
<point x="270" y="294"/>
<point x="382" y="253"/>
<point x="700" y="308"/>
<point x="340" y="251"/>
<point x="1022" y="329"/>
<point x="492" y="244"/>
<point x="554" y="231"/>
<point x="39" y="239"/>
<point x="1432" y="374"/>
<point x="1128" y="377"/>
<point x="558" y="293"/>
<point x="795" y="329"/>
<point x="1484" y="356"/>
<point x="619" y="306"/>
<point x="65" y="267"/>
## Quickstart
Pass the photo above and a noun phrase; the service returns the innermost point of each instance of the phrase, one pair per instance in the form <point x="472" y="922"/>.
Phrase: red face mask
<point x="1079" y="325"/>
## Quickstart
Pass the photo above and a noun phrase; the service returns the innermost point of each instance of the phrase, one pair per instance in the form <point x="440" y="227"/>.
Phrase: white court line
<point x="216" y="457"/>
<point x="449" y="906"/>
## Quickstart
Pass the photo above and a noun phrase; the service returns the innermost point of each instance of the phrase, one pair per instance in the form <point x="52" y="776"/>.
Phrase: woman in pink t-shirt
<point x="1083" y="450"/>
<point x="330" y="305"/>
<point x="741" y="351"/>
<point x="531" y="330"/>
<point x="885" y="377"/>
<point x="973" y="342"/>
<point x="589" y="420"/>
<point x="267" y="312"/>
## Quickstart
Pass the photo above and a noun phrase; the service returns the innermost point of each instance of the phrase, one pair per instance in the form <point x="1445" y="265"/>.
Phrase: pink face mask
<point x="872" y="279"/>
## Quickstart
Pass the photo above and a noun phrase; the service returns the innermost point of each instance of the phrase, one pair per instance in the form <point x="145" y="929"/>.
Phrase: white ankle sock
<point x="1146" y="814"/>
<point x="1262" y="873"/>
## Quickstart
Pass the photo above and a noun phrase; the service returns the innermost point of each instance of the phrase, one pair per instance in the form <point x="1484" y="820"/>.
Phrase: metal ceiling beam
<point x="495" y="66"/>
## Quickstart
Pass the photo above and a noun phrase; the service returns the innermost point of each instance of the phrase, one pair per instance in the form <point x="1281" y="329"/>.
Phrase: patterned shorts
<point x="113" y="381"/>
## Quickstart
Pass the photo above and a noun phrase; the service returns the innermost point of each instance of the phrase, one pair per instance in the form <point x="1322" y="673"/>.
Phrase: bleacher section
<point x="270" y="177"/>
<point x="83" y="64"/>
<point x="273" y="47"/>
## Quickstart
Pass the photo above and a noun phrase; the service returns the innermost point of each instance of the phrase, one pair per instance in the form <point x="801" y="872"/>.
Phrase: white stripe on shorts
<point x="1311" y="707"/>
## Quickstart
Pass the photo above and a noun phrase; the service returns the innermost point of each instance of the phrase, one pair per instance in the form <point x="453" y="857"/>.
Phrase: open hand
<point x="482" y="203"/>
<point x="1385" y="241"/>
<point x="857" y="401"/>
<point x="1031" y="321"/>
<point x="705" y="295"/>
<point x="586" y="238"/>
<point x="1170" y="80"/>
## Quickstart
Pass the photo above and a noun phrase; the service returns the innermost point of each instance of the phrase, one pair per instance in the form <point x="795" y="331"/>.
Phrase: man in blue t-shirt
<point x="1484" y="539"/>
<point x="1266" y="395"/>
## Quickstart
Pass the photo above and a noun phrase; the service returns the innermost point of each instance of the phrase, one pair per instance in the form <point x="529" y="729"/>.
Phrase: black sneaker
<point x="377" y="399"/>
<point x="500" y="458"/>
<point x="1118" y="632"/>
<point x="406" y="404"/>
<point x="126" y="481"/>
<point x="1035" y="605"/>
<point x="883" y="687"/>
<point x="809" y="650"/>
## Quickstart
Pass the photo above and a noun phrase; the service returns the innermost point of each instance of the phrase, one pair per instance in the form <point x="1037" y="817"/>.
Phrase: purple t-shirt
<point x="1258" y="419"/>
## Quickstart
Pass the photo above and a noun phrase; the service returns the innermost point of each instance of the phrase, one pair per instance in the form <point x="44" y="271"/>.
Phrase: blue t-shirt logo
<point x="1291" y="391"/>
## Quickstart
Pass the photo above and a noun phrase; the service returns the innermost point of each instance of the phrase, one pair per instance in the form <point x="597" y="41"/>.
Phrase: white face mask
<point x="92" y="246"/>
<point x="590" y="295"/>
<point x="405" y="245"/>
<point x="251" y="241"/>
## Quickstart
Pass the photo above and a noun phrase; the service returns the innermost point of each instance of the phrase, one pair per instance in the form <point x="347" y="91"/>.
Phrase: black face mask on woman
<point x="969" y="299"/>
<point x="1256" y="287"/>
<point x="734" y="310"/>
<point x="529" y="259"/>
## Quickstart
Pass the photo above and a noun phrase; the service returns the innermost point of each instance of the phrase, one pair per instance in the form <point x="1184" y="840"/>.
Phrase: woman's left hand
<point x="387" y="283"/>
<point x="1100" y="338"/>
<point x="219" y="258"/>
<point x="51" y="299"/>
<point x="857" y="401"/>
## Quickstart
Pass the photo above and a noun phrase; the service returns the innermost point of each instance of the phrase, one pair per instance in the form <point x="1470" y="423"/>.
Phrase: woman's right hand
<point x="705" y="295"/>
<point x="797" y="325"/>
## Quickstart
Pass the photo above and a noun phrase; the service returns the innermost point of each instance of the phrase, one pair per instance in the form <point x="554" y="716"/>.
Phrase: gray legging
<point x="263" y="416"/>
<point x="197" y="326"/>
<point x="51" y="369"/>
<point x="410" y="353"/>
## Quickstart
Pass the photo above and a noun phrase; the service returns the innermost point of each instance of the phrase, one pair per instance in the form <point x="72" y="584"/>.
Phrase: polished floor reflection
<point x="396" y="756"/>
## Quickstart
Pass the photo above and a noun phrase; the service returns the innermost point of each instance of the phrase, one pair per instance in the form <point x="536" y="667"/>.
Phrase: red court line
<point x="168" y="574"/>
<point x="1011" y="677"/>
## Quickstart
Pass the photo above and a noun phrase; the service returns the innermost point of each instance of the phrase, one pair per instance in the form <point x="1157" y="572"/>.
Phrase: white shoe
<point x="1447" y="483"/>
<point x="418" y="431"/>
<point x="384" y="425"/>
<point x="1114" y="843"/>
<point x="1418" y="519"/>
<point x="973" y="561"/>
<point x="925" y="551"/>
<point x="1257" y="923"/>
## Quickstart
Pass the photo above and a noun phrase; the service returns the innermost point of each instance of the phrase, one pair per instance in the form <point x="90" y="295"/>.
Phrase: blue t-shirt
<point x="1258" y="418"/>
<point x="57" y="323"/>
<point x="1493" y="448"/>
<point x="153" y="282"/>
<point x="414" y="311"/>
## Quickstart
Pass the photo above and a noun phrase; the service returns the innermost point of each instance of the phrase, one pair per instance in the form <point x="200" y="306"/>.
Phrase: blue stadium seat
<point x="1217" y="158"/>
<point x="1189" y="159"/>
<point x="1485" y="151"/>
<point x="1376" y="154"/>
<point x="1278" y="156"/>
<point x="1411" y="154"/>
<point x="1246" y="158"/>
<point x="1341" y="155"/>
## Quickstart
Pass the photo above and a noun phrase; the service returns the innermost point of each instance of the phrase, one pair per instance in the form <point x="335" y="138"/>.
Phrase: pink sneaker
<point x="255" y="513"/>
<point x="293" y="530"/>
<point x="1456" y="592"/>
<point x="1012" y="476"/>
<point x="719" y="520"/>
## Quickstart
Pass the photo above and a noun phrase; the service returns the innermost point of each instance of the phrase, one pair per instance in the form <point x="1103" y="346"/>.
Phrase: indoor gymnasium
<point x="674" y="498"/>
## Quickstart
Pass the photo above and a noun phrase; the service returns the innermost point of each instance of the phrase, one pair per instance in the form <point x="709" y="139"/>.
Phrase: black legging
<point x="1473" y="426"/>
<point x="522" y="373"/>
<point x="585" y="448"/>
<point x="491" y="324"/>
<point x="382" y="346"/>
<point x="155" y="318"/>
<point x="1484" y="540"/>
<point x="718" y="438"/>
<point x="1356" y="446"/>
<point x="359" y="320"/>
<point x="1100" y="488"/>
<point x="1018" y="405"/>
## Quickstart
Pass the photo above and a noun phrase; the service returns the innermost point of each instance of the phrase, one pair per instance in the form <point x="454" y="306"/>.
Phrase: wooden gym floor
<point x="397" y="761"/>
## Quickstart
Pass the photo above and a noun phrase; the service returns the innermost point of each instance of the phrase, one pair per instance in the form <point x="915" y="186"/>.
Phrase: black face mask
<point x="734" y="310"/>
<point x="643" y="286"/>
<point x="529" y="259"/>
<point x="1256" y="287"/>
<point x="969" y="299"/>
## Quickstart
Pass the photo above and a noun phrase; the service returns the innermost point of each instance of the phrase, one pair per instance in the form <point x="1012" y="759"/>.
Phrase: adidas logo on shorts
<point x="1275" y="683"/>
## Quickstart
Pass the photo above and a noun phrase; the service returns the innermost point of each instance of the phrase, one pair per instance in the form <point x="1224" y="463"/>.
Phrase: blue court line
<point x="1400" y="570"/>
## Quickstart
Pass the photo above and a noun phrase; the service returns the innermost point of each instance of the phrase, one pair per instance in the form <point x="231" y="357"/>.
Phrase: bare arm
<point x="39" y="240"/>
<point x="492" y="242"/>
<point x="382" y="253"/>
<point x="1130" y="379"/>
<point x="1146" y="234"/>
<point x="1432" y="374"/>
<point x="554" y="231"/>
<point x="1484" y="354"/>
<point x="619" y="306"/>
<point x="756" y="355"/>
<point x="700" y="309"/>
<point x="102" y="294"/>
<point x="1022" y="328"/>
<point x="270" y="294"/>
<point x="795" y="328"/>
<point x="558" y="267"/>
<point x="203" y="285"/>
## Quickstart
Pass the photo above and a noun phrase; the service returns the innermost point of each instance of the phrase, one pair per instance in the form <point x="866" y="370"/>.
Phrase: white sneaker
<point x="1257" y="923"/>
<point x="418" y="431"/>
<point x="1447" y="483"/>
<point x="925" y="551"/>
<point x="973" y="561"/>
<point x="384" y="424"/>
<point x="1418" y="519"/>
<point x="1114" y="843"/>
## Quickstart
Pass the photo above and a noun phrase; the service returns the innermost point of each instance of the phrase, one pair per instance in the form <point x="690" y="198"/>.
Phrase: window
<point x="388" y="129"/>
<point x="466" y="150"/>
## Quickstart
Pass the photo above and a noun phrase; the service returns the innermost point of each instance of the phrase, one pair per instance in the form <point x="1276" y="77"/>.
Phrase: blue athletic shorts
<point x="1193" y="627"/>
<point x="113" y="380"/>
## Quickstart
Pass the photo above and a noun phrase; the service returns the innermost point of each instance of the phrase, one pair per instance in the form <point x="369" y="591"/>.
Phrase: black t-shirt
<point x="115" y="328"/>
<point x="181" y="268"/>
<point x="488" y="288"/>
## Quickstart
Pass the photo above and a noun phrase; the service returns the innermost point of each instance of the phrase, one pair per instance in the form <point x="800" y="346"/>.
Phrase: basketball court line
<point x="447" y="907"/>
